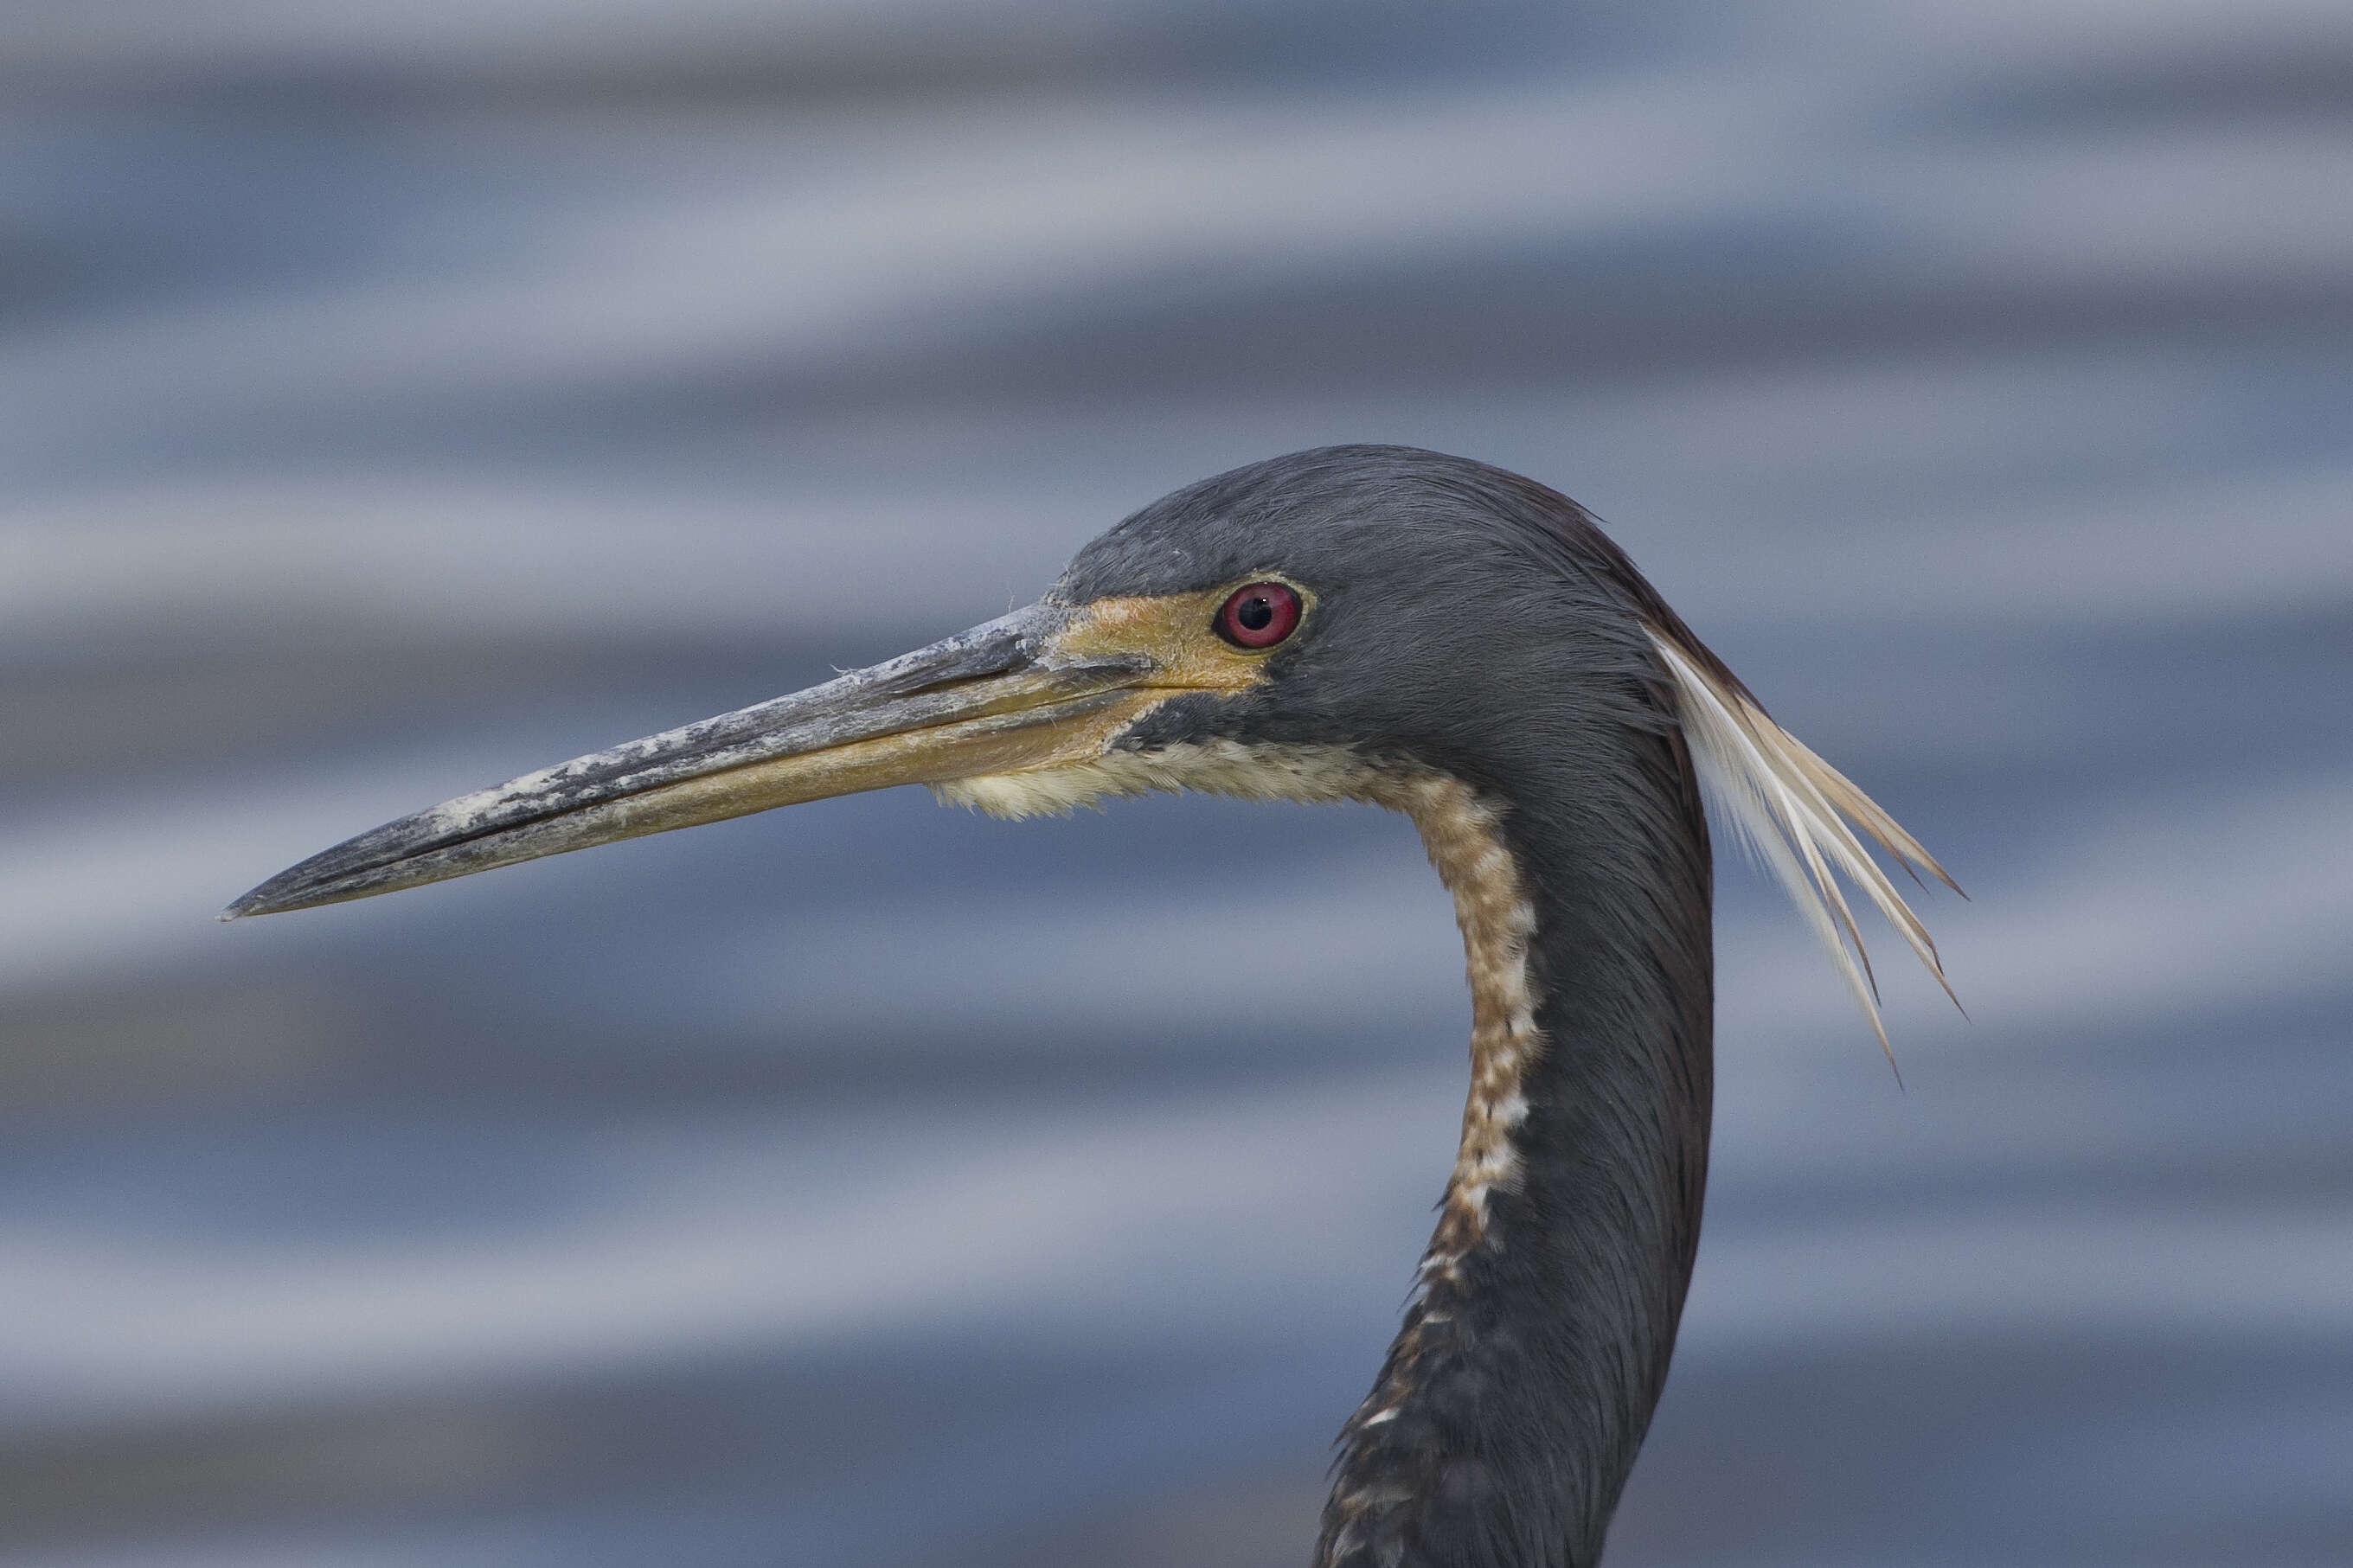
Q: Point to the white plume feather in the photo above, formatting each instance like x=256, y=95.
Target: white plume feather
x=1798, y=816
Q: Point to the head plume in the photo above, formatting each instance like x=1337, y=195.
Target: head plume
x=1798, y=816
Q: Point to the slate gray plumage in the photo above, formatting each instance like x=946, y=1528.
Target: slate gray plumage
x=1488, y=630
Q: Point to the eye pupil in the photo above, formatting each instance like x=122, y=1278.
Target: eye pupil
x=1258, y=615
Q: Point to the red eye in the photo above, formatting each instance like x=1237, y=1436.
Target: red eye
x=1258, y=615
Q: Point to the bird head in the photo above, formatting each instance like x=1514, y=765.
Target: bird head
x=1301, y=628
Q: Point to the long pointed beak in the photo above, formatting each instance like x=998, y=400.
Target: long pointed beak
x=1018, y=693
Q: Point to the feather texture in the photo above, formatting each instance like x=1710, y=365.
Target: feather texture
x=1796, y=815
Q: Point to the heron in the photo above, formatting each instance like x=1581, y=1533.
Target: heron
x=1439, y=637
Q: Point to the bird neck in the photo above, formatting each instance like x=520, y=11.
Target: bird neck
x=1537, y=1336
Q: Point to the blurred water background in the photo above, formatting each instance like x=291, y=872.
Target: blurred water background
x=400, y=397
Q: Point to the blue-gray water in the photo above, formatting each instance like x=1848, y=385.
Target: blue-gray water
x=396, y=398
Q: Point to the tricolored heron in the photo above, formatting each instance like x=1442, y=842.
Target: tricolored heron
x=1440, y=637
